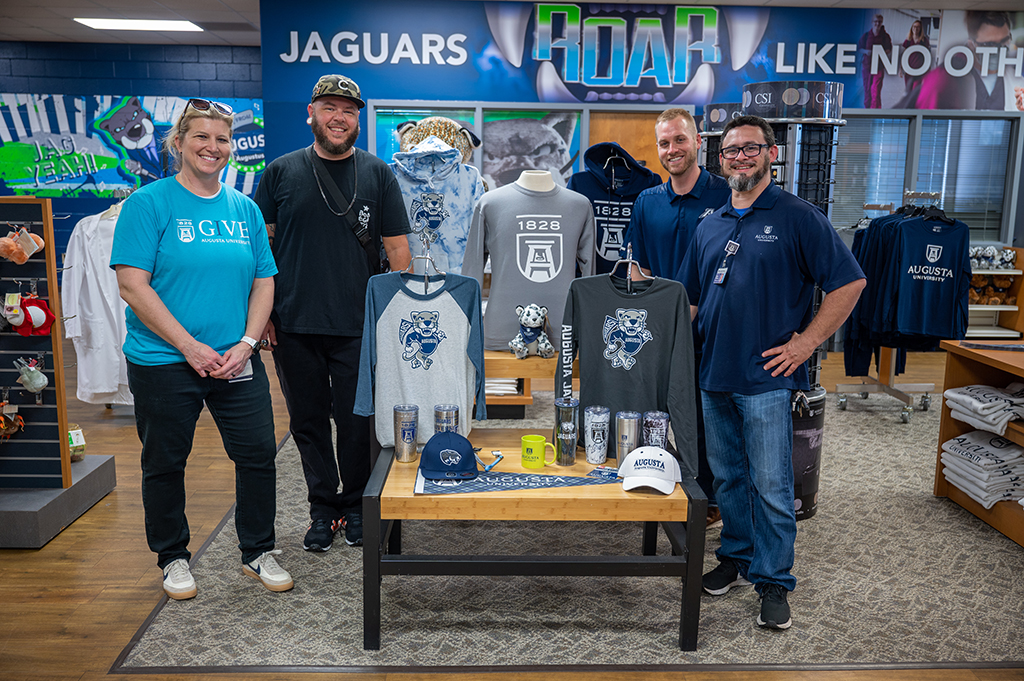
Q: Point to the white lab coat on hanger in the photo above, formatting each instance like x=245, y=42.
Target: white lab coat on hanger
x=97, y=323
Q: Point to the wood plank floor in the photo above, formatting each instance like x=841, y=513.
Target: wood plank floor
x=68, y=609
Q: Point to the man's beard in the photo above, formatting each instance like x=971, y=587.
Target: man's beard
x=744, y=183
x=322, y=141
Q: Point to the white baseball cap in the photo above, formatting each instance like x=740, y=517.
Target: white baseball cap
x=650, y=467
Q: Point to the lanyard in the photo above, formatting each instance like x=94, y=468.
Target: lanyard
x=731, y=248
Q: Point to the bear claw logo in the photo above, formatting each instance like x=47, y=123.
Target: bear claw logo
x=624, y=335
x=420, y=336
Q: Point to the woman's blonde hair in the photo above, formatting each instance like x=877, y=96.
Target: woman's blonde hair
x=910, y=33
x=184, y=122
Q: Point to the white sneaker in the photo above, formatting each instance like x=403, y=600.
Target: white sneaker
x=178, y=581
x=266, y=569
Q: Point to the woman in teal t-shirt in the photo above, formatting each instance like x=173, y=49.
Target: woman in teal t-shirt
x=194, y=265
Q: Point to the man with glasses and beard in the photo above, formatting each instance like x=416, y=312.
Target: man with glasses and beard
x=662, y=226
x=750, y=275
x=331, y=210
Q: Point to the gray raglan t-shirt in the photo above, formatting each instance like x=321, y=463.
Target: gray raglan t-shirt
x=535, y=240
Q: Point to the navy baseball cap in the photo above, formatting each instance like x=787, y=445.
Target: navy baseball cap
x=448, y=456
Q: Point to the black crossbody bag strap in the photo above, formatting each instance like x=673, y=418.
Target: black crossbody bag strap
x=360, y=230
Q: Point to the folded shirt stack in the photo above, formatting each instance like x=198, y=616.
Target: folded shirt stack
x=986, y=467
x=985, y=407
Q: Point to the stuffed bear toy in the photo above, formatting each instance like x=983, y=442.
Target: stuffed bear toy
x=12, y=250
x=411, y=133
x=531, y=339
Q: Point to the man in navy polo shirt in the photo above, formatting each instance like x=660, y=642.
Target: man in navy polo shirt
x=662, y=226
x=750, y=275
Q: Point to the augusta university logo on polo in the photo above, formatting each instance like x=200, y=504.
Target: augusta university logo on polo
x=767, y=236
x=420, y=336
x=624, y=335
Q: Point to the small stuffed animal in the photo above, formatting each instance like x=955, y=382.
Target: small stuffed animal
x=531, y=339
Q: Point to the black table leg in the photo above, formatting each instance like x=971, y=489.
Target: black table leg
x=373, y=548
x=650, y=539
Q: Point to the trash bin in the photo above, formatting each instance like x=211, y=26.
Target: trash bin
x=808, y=426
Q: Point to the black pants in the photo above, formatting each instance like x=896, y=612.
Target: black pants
x=318, y=377
x=168, y=401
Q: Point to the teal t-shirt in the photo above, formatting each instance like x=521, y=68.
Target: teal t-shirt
x=203, y=255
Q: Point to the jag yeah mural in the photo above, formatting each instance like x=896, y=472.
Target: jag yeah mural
x=64, y=146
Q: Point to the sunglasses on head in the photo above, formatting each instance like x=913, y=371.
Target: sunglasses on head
x=205, y=104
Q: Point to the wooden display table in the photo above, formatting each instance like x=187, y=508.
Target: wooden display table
x=389, y=499
x=997, y=368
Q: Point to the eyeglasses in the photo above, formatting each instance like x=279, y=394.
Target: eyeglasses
x=205, y=104
x=749, y=150
x=995, y=43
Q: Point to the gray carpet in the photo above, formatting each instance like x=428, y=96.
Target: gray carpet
x=888, y=575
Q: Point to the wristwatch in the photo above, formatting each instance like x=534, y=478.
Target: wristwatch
x=253, y=343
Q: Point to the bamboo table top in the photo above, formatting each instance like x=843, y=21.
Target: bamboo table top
x=592, y=502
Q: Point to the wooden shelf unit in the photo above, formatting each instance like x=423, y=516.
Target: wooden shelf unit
x=498, y=364
x=967, y=366
x=999, y=321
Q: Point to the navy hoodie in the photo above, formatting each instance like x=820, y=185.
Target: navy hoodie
x=612, y=181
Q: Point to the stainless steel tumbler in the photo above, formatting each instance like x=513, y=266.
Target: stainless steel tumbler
x=406, y=417
x=446, y=418
x=566, y=435
x=627, y=433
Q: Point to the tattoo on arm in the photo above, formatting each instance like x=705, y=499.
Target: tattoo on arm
x=271, y=228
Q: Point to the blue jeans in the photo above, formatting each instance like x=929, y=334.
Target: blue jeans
x=750, y=449
x=168, y=401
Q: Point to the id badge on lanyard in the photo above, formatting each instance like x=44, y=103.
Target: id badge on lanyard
x=723, y=270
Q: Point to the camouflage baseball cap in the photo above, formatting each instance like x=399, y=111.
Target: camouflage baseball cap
x=337, y=86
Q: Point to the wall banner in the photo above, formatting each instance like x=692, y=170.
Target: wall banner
x=653, y=54
x=64, y=146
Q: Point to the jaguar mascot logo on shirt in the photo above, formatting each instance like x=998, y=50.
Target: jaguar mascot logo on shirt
x=624, y=335
x=420, y=337
x=428, y=213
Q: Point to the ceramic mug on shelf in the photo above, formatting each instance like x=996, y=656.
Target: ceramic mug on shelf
x=534, y=448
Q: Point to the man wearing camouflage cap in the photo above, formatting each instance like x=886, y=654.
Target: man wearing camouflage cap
x=331, y=211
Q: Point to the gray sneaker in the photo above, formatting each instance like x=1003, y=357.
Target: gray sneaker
x=722, y=578
x=178, y=581
x=266, y=569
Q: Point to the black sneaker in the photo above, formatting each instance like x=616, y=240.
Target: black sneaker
x=353, y=524
x=722, y=578
x=774, y=608
x=320, y=535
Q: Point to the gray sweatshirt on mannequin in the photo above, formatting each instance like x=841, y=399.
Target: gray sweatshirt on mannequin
x=535, y=240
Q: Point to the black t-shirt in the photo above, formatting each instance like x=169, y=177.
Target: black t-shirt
x=322, y=269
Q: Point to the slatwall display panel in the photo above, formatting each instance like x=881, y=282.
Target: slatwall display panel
x=870, y=167
x=965, y=161
x=37, y=456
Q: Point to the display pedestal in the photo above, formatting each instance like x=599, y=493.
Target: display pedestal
x=31, y=517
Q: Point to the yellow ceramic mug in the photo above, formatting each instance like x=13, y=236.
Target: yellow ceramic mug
x=533, y=451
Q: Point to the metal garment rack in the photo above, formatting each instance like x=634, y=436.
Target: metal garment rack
x=887, y=356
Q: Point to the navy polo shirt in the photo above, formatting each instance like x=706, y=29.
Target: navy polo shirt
x=663, y=222
x=786, y=245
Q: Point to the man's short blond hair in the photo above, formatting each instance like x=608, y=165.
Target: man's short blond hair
x=672, y=114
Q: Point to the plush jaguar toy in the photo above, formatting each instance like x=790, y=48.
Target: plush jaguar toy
x=531, y=339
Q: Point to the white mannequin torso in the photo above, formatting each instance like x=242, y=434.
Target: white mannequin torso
x=536, y=180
